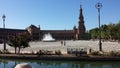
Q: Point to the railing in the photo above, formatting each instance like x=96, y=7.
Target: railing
x=77, y=51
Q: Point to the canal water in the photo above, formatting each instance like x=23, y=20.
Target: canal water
x=61, y=64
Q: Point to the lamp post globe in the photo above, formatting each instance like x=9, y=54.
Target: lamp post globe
x=3, y=16
x=98, y=5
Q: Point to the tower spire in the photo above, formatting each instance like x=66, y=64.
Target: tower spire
x=81, y=18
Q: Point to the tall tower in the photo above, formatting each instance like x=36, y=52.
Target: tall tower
x=81, y=26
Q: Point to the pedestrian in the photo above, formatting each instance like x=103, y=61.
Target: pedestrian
x=64, y=43
x=61, y=42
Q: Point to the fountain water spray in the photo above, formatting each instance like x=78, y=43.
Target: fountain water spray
x=48, y=37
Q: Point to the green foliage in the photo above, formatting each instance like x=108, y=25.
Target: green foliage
x=94, y=33
x=23, y=41
x=19, y=41
x=86, y=36
x=108, y=32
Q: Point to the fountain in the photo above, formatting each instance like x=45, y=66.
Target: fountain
x=48, y=38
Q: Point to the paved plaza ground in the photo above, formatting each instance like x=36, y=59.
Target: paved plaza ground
x=81, y=44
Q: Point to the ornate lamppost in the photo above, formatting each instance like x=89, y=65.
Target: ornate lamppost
x=99, y=6
x=3, y=17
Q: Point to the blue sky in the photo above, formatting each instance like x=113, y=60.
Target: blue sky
x=57, y=14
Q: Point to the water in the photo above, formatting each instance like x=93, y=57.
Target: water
x=60, y=64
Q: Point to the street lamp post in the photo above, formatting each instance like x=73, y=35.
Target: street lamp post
x=99, y=6
x=3, y=17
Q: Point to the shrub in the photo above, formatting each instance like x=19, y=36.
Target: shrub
x=95, y=53
x=5, y=52
x=113, y=53
x=58, y=52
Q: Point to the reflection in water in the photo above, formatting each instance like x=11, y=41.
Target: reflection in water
x=59, y=64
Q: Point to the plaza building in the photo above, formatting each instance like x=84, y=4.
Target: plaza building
x=36, y=33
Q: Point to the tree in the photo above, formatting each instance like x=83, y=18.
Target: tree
x=19, y=41
x=13, y=42
x=108, y=32
x=23, y=41
x=94, y=33
x=112, y=31
x=104, y=32
x=118, y=30
x=86, y=36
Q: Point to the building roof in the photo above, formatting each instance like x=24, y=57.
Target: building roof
x=57, y=31
x=12, y=30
